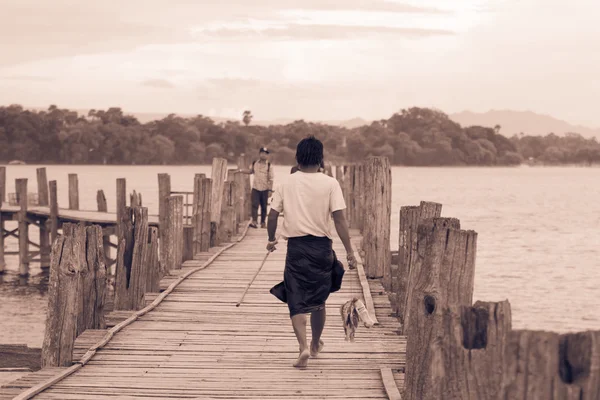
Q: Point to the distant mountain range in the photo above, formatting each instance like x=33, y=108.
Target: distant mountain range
x=515, y=122
x=511, y=122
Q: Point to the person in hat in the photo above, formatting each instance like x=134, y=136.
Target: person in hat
x=262, y=186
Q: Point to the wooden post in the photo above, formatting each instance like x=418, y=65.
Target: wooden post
x=363, y=190
x=135, y=199
x=443, y=269
x=73, y=192
x=103, y=207
x=131, y=276
x=201, y=218
x=53, y=210
x=240, y=196
x=339, y=176
x=349, y=178
x=2, y=200
x=378, y=211
x=188, y=243
x=230, y=174
x=43, y=200
x=2, y=185
x=121, y=202
x=174, y=256
x=45, y=247
x=42, y=185
x=233, y=191
x=410, y=218
x=219, y=172
x=21, y=189
x=227, y=223
x=94, y=276
x=244, y=163
x=467, y=358
x=153, y=265
x=546, y=365
x=2, y=259
x=61, y=319
x=164, y=191
x=101, y=201
x=76, y=292
x=327, y=170
x=196, y=193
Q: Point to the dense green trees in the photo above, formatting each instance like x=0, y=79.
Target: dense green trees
x=415, y=136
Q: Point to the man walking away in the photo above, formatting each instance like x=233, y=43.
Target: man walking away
x=261, y=186
x=309, y=199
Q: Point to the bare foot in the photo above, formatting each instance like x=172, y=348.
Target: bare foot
x=302, y=361
x=313, y=351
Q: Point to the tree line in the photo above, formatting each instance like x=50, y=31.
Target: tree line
x=411, y=137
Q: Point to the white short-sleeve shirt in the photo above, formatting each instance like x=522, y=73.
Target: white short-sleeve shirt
x=307, y=201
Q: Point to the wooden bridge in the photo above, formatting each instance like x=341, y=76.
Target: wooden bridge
x=197, y=344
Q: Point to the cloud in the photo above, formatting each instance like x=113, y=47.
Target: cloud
x=317, y=32
x=365, y=5
x=158, y=83
x=27, y=78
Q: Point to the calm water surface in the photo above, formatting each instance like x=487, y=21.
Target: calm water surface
x=538, y=239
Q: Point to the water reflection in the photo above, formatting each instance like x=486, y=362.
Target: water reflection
x=12, y=284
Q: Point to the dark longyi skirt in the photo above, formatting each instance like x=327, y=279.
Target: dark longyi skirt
x=307, y=276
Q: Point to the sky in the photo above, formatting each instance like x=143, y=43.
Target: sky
x=311, y=59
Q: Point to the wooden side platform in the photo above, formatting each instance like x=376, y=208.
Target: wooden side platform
x=75, y=216
x=198, y=344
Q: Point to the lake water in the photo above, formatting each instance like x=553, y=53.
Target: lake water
x=538, y=239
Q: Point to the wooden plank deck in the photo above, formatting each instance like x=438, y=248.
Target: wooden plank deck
x=66, y=215
x=198, y=344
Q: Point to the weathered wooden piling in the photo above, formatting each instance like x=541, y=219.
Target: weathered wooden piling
x=360, y=184
x=230, y=174
x=42, y=187
x=240, y=196
x=52, y=186
x=2, y=200
x=21, y=191
x=227, y=224
x=201, y=214
x=44, y=224
x=377, y=210
x=244, y=163
x=135, y=199
x=410, y=218
x=76, y=292
x=219, y=173
x=103, y=207
x=131, y=276
x=547, y=365
x=153, y=273
x=164, y=191
x=467, y=357
x=174, y=233
x=121, y=202
x=73, y=192
x=443, y=268
x=101, y=201
x=2, y=184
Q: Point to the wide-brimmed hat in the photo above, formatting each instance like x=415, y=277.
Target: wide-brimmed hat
x=264, y=150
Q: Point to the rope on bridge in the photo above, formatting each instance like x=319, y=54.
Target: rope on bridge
x=37, y=389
